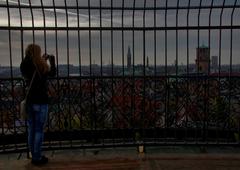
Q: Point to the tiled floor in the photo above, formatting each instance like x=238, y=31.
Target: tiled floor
x=126, y=159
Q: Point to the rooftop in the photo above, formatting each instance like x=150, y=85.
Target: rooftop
x=156, y=158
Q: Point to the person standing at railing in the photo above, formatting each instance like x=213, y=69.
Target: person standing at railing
x=36, y=68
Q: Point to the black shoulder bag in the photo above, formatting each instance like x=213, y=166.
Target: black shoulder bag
x=23, y=104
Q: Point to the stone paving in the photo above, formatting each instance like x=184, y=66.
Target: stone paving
x=171, y=158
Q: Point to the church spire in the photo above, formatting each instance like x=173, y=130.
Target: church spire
x=147, y=62
x=129, y=58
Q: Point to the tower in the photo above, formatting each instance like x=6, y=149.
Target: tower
x=202, y=59
x=215, y=63
x=129, y=58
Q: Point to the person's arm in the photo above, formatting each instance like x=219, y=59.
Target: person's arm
x=53, y=69
x=26, y=68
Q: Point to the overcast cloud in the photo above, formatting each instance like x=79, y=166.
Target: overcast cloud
x=117, y=35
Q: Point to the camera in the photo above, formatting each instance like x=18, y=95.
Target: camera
x=48, y=57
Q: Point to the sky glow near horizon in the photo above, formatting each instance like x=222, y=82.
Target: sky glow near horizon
x=173, y=52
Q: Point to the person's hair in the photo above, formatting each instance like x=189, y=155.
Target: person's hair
x=34, y=52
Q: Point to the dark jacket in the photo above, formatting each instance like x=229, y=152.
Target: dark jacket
x=38, y=93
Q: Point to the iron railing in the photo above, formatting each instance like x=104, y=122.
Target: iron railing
x=161, y=93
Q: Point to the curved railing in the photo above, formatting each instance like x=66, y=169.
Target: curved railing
x=128, y=71
x=112, y=111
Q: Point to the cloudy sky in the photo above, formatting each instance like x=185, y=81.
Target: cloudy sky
x=83, y=16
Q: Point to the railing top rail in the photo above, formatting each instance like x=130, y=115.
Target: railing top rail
x=120, y=7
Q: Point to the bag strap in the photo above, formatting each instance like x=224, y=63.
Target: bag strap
x=30, y=86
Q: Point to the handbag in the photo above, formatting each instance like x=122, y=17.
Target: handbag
x=23, y=103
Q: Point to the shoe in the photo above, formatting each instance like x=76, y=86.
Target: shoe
x=42, y=161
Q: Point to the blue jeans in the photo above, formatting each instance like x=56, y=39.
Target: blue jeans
x=37, y=116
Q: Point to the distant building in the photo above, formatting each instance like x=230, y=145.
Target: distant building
x=214, y=63
x=202, y=59
x=129, y=58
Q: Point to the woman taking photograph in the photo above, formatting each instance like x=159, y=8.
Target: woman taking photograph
x=35, y=68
